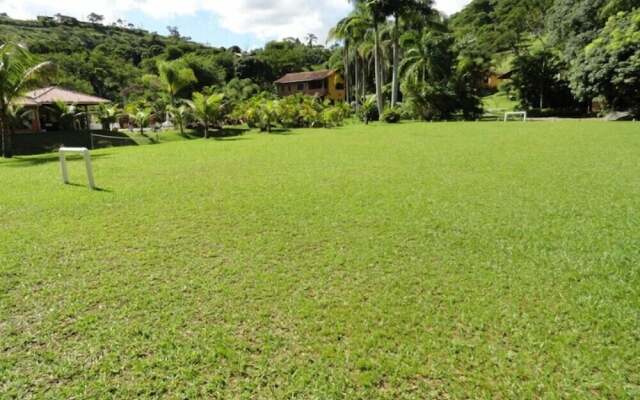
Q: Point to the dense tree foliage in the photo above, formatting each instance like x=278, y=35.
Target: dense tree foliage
x=609, y=66
x=564, y=53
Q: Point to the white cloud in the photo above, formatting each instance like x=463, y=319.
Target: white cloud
x=266, y=19
x=451, y=6
x=280, y=18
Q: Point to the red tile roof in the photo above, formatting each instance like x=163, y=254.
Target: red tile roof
x=51, y=94
x=306, y=76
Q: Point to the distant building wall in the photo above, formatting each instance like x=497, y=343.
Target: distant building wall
x=336, y=87
x=331, y=88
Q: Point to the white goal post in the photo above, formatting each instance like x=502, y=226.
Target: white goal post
x=87, y=162
x=522, y=114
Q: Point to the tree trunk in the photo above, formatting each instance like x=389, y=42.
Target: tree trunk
x=363, y=82
x=395, y=85
x=378, y=71
x=542, y=86
x=357, y=84
x=7, y=144
x=181, y=126
x=206, y=130
x=347, y=86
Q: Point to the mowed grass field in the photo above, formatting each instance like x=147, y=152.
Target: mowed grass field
x=417, y=261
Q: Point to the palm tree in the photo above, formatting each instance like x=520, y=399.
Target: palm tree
x=351, y=30
x=400, y=9
x=365, y=54
x=342, y=32
x=107, y=114
x=141, y=117
x=67, y=114
x=424, y=57
x=355, y=30
x=18, y=115
x=311, y=39
x=180, y=115
x=376, y=10
x=175, y=76
x=368, y=106
x=19, y=73
x=268, y=114
x=208, y=110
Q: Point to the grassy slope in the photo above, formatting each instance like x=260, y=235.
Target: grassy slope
x=415, y=261
x=498, y=103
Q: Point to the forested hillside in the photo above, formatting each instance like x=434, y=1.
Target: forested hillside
x=554, y=57
x=112, y=61
x=560, y=53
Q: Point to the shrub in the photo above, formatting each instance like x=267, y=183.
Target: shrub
x=297, y=111
x=369, y=109
x=391, y=115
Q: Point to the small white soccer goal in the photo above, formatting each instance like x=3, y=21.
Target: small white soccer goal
x=87, y=162
x=522, y=114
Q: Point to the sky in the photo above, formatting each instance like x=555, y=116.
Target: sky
x=246, y=23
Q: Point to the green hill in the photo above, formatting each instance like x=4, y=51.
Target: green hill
x=111, y=61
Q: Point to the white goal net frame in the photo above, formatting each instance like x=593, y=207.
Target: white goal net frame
x=522, y=114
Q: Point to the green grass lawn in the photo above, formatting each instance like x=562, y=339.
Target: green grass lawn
x=433, y=260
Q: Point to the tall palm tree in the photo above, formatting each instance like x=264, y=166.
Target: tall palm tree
x=341, y=32
x=208, y=110
x=311, y=38
x=376, y=8
x=400, y=9
x=365, y=53
x=351, y=30
x=376, y=11
x=175, y=76
x=19, y=73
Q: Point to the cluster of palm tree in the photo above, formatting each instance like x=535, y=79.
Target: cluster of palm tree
x=207, y=109
x=264, y=111
x=372, y=37
x=172, y=77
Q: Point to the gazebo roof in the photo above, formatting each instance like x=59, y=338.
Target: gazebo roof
x=52, y=94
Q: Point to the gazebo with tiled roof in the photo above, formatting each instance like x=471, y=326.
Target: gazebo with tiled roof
x=53, y=94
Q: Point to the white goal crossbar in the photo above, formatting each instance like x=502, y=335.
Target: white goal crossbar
x=523, y=114
x=87, y=162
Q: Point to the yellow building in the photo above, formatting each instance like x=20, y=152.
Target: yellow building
x=326, y=84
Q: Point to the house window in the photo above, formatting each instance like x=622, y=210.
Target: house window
x=315, y=85
x=300, y=86
x=339, y=86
